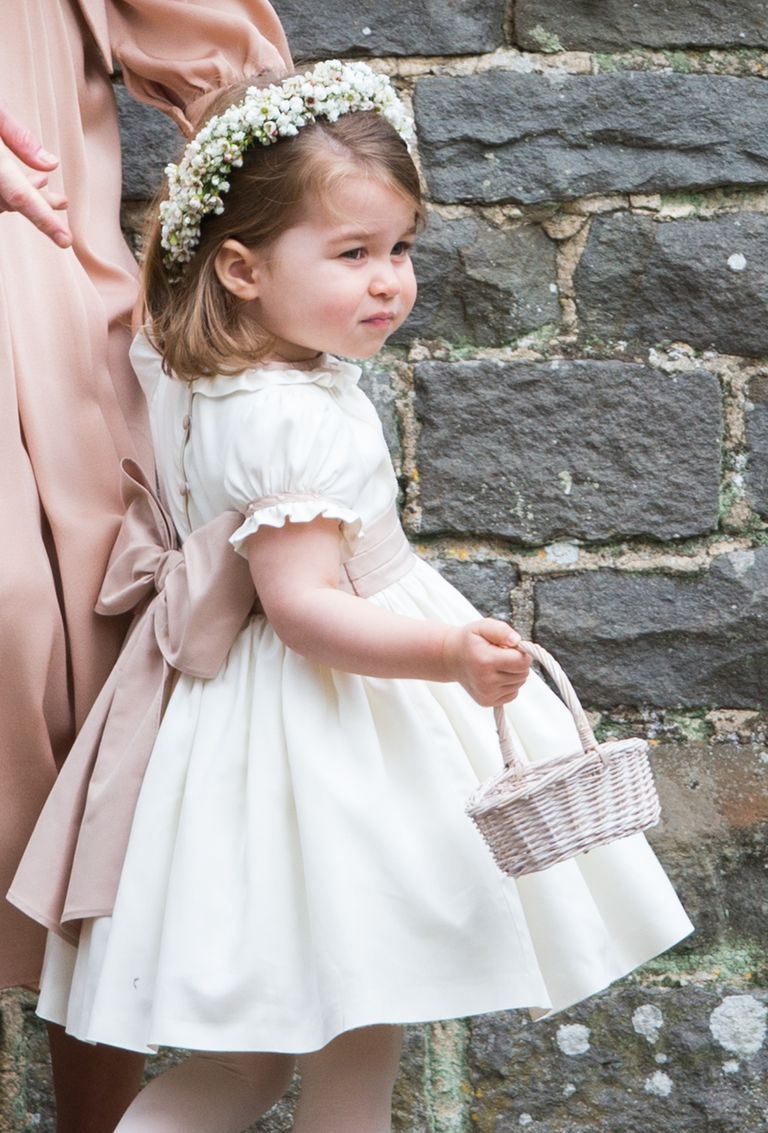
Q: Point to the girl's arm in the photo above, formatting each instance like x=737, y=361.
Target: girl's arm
x=296, y=571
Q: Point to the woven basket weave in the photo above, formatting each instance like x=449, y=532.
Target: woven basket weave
x=535, y=815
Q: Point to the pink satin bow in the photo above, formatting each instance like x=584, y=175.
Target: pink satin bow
x=190, y=605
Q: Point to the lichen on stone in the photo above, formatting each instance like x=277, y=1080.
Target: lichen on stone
x=647, y=1021
x=659, y=1084
x=573, y=1038
x=738, y=1024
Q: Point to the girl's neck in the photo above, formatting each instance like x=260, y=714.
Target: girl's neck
x=276, y=362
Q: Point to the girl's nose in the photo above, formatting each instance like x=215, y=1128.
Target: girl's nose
x=385, y=280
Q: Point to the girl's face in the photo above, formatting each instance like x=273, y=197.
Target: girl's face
x=341, y=280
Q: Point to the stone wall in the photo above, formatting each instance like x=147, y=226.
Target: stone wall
x=578, y=410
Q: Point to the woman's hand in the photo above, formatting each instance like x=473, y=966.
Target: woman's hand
x=483, y=658
x=26, y=192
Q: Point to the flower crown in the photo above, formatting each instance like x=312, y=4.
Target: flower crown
x=266, y=114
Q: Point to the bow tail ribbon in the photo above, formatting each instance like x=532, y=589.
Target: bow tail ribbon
x=72, y=862
x=71, y=867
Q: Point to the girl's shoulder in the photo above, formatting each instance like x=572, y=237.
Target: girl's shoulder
x=308, y=433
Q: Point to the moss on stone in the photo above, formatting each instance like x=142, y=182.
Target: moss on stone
x=736, y=963
x=445, y=1076
x=691, y=726
x=607, y=64
x=679, y=62
x=539, y=338
x=462, y=350
x=697, y=201
x=728, y=497
x=546, y=41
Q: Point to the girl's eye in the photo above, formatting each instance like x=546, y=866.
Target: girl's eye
x=353, y=254
x=401, y=248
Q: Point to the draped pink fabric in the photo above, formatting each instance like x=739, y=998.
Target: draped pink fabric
x=190, y=604
x=70, y=406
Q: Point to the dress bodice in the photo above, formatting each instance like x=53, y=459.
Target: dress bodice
x=274, y=442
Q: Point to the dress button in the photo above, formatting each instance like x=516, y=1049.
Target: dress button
x=186, y=422
x=184, y=489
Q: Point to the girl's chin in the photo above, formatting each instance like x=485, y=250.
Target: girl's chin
x=361, y=355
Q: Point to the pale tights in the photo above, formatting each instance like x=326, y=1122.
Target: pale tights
x=345, y=1088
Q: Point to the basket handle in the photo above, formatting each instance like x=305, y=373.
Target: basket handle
x=567, y=694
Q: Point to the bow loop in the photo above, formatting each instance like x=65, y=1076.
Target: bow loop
x=145, y=551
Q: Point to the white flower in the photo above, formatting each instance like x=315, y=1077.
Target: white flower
x=195, y=185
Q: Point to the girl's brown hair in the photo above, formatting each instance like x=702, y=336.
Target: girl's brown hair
x=196, y=324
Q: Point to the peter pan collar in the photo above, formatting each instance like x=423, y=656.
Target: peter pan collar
x=325, y=371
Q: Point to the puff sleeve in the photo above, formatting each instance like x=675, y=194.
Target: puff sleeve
x=174, y=54
x=297, y=457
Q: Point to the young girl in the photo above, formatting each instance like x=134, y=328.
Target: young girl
x=301, y=879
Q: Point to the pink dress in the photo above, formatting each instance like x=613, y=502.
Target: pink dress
x=71, y=406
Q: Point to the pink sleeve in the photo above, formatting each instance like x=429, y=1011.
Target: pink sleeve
x=174, y=54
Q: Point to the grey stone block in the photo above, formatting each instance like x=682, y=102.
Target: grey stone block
x=485, y=584
x=704, y=282
x=713, y=837
x=636, y=639
x=498, y=136
x=424, y=27
x=537, y=452
x=583, y=25
x=149, y=141
x=482, y=284
x=376, y=383
x=635, y=1060
x=757, y=437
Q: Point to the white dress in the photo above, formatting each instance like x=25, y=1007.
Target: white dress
x=300, y=861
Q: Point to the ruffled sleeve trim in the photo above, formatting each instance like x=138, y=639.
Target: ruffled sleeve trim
x=296, y=507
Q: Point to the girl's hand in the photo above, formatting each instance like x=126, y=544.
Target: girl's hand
x=25, y=192
x=295, y=569
x=482, y=657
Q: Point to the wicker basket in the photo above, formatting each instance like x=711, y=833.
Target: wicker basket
x=535, y=815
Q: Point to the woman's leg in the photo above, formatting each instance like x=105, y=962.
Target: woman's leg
x=347, y=1086
x=210, y=1093
x=94, y=1085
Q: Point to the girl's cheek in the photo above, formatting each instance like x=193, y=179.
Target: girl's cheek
x=334, y=310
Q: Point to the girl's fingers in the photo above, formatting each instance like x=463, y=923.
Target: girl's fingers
x=497, y=633
x=513, y=663
x=498, y=691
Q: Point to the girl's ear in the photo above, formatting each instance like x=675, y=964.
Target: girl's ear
x=236, y=269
